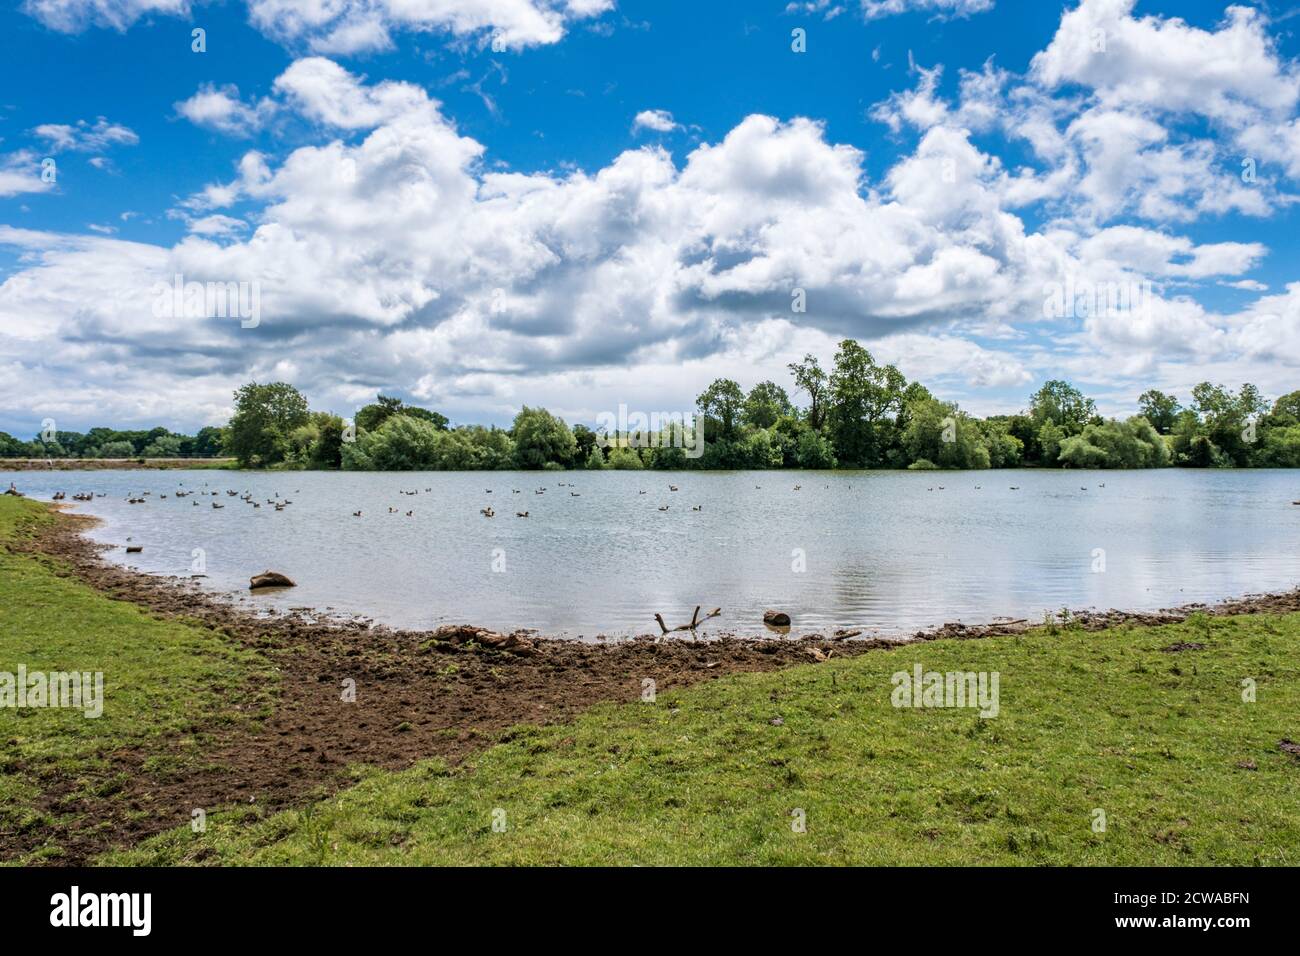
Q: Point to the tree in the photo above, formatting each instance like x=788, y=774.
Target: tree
x=720, y=404
x=265, y=415
x=863, y=397
x=542, y=439
x=1061, y=404
x=207, y=443
x=586, y=440
x=765, y=404
x=117, y=449
x=809, y=377
x=374, y=415
x=1159, y=409
x=814, y=450
x=401, y=443
x=165, y=446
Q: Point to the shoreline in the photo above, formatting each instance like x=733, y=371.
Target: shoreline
x=115, y=464
x=447, y=693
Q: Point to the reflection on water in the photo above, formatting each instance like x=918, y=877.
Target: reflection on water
x=887, y=551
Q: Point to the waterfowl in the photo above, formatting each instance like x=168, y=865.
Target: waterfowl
x=521, y=514
x=574, y=494
x=672, y=487
x=356, y=514
x=217, y=505
x=410, y=514
x=663, y=507
x=698, y=508
x=487, y=512
x=798, y=487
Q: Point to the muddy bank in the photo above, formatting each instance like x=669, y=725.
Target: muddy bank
x=418, y=694
x=110, y=464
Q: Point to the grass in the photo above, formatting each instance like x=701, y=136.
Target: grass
x=1184, y=769
x=161, y=678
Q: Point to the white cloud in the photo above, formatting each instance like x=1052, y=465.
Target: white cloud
x=20, y=172
x=85, y=137
x=348, y=26
x=221, y=109
x=661, y=121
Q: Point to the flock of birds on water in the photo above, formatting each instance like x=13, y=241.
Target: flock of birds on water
x=280, y=503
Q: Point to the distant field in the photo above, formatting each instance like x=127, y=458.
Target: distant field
x=104, y=464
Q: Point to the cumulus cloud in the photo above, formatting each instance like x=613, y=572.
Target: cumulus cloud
x=348, y=26
x=220, y=108
x=392, y=250
x=660, y=121
x=84, y=136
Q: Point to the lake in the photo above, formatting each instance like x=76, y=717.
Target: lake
x=885, y=551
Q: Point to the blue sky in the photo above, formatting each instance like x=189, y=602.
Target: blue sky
x=925, y=171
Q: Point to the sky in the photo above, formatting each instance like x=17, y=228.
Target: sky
x=582, y=204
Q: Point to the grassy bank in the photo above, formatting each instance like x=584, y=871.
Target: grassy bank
x=1162, y=743
x=160, y=679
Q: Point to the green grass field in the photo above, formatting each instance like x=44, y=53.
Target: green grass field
x=1108, y=721
x=1183, y=768
x=160, y=680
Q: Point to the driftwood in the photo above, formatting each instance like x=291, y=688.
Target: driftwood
x=695, y=621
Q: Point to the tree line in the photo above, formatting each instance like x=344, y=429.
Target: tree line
x=857, y=414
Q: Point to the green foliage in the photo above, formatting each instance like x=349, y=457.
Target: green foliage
x=372, y=417
x=541, y=439
x=765, y=405
x=1159, y=409
x=265, y=416
x=720, y=405
x=1061, y=404
x=1114, y=444
x=864, y=397
x=625, y=459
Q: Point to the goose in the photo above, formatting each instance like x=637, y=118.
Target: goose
x=798, y=487
x=574, y=494
x=698, y=508
x=640, y=492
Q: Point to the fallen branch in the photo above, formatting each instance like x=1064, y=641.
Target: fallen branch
x=695, y=621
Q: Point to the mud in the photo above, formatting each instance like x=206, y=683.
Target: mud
x=419, y=694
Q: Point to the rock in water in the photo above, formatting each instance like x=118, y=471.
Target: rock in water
x=776, y=618
x=269, y=579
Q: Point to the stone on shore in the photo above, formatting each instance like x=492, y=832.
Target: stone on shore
x=269, y=579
